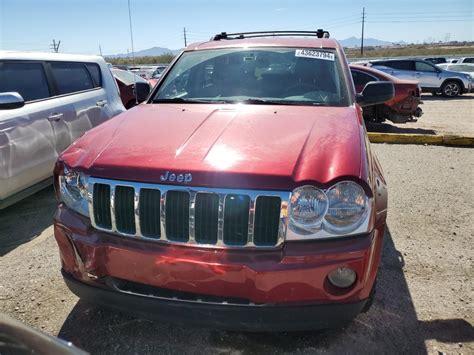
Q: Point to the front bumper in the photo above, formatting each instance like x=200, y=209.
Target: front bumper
x=291, y=278
x=224, y=316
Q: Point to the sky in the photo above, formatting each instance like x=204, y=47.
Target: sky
x=84, y=25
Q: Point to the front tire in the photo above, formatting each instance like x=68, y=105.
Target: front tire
x=451, y=89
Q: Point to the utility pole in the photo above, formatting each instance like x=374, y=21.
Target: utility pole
x=362, y=37
x=100, y=50
x=55, y=46
x=133, y=53
x=184, y=35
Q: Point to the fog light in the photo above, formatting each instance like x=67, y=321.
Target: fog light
x=342, y=277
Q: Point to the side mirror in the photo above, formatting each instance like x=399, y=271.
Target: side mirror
x=376, y=92
x=11, y=100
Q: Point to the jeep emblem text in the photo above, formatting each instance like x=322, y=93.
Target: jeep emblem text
x=172, y=177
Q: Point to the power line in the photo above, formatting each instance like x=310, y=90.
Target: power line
x=418, y=21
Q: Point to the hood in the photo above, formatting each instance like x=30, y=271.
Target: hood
x=245, y=146
x=456, y=74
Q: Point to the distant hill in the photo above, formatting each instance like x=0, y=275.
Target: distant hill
x=150, y=52
x=347, y=43
x=355, y=42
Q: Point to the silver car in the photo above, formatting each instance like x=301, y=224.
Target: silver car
x=47, y=101
x=467, y=68
x=431, y=78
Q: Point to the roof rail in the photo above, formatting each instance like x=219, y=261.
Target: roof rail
x=240, y=35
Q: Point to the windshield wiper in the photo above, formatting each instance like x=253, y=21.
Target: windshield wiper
x=256, y=101
x=176, y=100
x=281, y=102
x=188, y=101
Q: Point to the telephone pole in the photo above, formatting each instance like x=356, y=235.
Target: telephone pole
x=184, y=35
x=362, y=37
x=100, y=50
x=55, y=46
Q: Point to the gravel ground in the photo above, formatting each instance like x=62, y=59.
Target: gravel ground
x=424, y=296
x=440, y=116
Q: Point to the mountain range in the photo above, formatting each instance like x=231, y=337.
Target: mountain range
x=150, y=52
x=348, y=42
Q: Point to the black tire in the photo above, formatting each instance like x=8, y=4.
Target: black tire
x=451, y=88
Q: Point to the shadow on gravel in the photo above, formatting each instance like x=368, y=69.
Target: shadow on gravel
x=389, y=128
x=26, y=219
x=391, y=325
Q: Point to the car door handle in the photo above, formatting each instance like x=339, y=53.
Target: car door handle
x=101, y=103
x=55, y=117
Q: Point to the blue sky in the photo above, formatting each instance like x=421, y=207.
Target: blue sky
x=82, y=25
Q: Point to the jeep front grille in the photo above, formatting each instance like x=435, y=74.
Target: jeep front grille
x=189, y=215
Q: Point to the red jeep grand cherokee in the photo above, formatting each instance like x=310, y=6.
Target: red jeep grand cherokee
x=243, y=194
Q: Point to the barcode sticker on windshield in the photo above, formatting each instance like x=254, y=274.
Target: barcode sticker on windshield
x=315, y=54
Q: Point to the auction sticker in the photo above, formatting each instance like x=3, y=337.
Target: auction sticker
x=315, y=54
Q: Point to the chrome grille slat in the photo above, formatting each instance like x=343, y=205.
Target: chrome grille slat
x=112, y=208
x=186, y=224
x=136, y=209
x=192, y=213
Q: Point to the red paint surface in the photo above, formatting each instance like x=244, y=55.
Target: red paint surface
x=246, y=146
x=295, y=273
x=231, y=146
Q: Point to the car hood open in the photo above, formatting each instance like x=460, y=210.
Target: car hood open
x=244, y=146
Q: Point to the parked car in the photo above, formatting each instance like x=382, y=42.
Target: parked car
x=47, y=101
x=121, y=67
x=157, y=74
x=404, y=107
x=465, y=60
x=431, y=78
x=236, y=197
x=436, y=60
x=133, y=88
x=466, y=68
x=145, y=71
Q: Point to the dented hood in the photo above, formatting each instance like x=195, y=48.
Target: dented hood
x=246, y=146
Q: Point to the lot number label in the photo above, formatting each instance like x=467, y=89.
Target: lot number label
x=315, y=54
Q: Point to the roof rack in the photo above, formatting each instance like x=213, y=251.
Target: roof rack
x=240, y=35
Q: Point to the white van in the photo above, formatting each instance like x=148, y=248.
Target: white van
x=47, y=100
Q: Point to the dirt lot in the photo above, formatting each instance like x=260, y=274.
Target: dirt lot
x=423, y=301
x=440, y=116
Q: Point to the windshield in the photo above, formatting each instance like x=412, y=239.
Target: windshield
x=257, y=75
x=126, y=77
x=462, y=68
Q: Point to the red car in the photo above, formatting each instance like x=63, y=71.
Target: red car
x=244, y=194
x=404, y=105
x=130, y=84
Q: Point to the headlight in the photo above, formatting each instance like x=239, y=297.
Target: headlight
x=347, y=207
x=73, y=191
x=308, y=206
x=341, y=210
